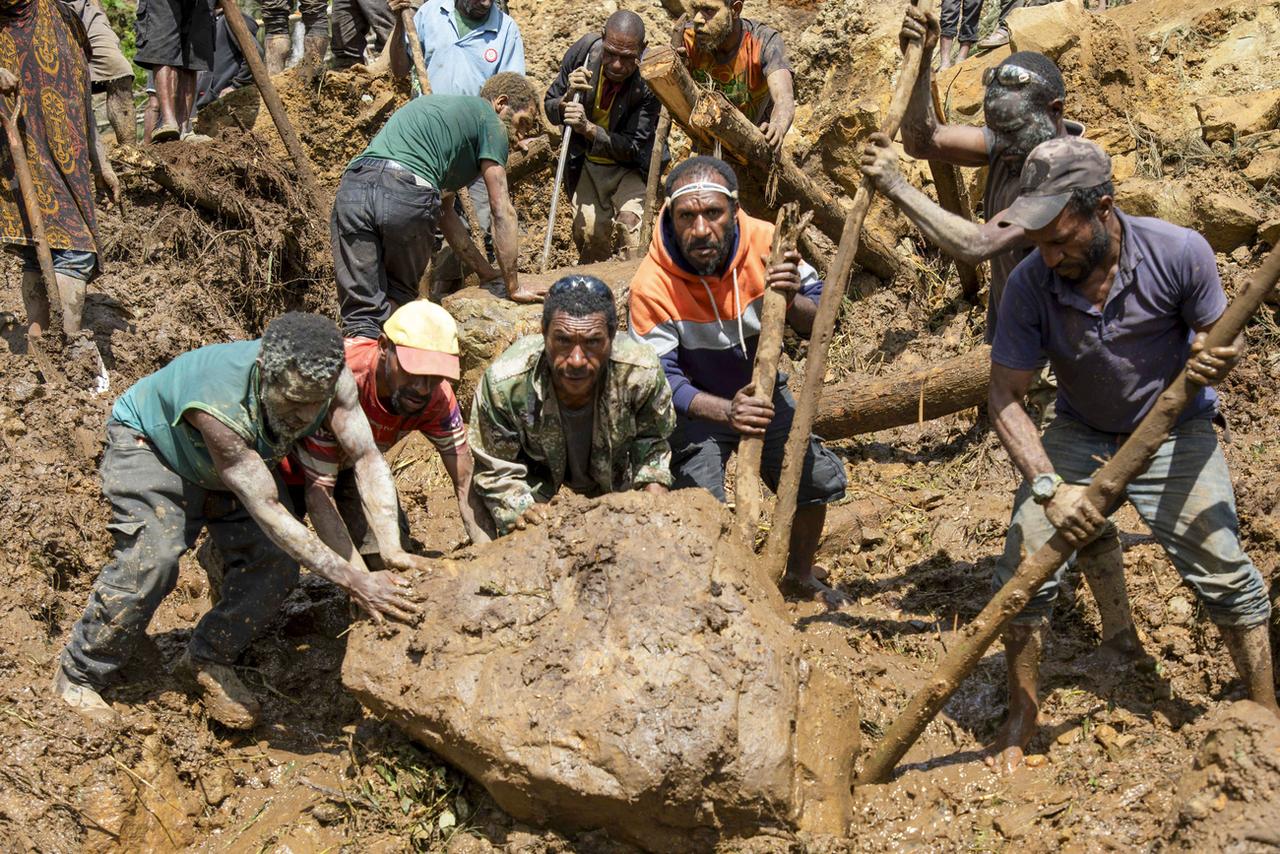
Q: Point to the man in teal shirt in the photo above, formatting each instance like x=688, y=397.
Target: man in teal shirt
x=393, y=194
x=192, y=447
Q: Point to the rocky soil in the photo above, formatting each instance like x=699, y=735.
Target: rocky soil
x=1183, y=94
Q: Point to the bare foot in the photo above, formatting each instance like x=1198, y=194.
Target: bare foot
x=1122, y=648
x=814, y=587
x=524, y=296
x=1006, y=753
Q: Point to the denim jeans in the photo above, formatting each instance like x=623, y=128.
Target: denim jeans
x=1184, y=496
x=156, y=516
x=382, y=225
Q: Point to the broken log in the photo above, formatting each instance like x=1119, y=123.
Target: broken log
x=190, y=188
x=708, y=116
x=764, y=375
x=824, y=324
x=954, y=198
x=1104, y=490
x=859, y=405
x=654, y=179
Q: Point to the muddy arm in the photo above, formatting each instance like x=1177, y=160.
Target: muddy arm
x=1013, y=425
x=460, y=465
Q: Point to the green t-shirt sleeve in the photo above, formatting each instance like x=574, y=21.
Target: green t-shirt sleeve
x=494, y=144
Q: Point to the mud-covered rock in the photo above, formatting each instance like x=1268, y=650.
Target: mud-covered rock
x=1229, y=800
x=1167, y=200
x=1229, y=117
x=1052, y=30
x=625, y=666
x=1226, y=221
x=1264, y=168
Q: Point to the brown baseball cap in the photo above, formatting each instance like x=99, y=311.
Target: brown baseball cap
x=1054, y=169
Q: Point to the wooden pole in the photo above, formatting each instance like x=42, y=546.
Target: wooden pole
x=824, y=324
x=249, y=49
x=1105, y=489
x=953, y=197
x=655, y=178
x=35, y=222
x=773, y=319
x=415, y=50
x=857, y=405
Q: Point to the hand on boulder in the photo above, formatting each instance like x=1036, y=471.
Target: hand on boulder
x=382, y=593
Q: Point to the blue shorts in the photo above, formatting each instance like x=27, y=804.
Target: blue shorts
x=75, y=263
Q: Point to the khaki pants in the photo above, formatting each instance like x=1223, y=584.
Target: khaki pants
x=604, y=191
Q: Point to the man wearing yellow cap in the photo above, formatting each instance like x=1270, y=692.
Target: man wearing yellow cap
x=403, y=378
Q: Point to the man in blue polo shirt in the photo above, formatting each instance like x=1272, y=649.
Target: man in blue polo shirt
x=1118, y=305
x=464, y=43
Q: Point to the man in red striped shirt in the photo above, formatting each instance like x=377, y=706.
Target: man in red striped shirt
x=403, y=378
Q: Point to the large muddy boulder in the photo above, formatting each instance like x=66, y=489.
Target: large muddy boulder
x=626, y=666
x=1229, y=800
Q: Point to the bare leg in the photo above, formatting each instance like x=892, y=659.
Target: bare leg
x=167, y=93
x=1102, y=564
x=186, y=99
x=944, y=53
x=120, y=110
x=963, y=53
x=1250, y=649
x=150, y=115
x=35, y=303
x=806, y=531
x=71, y=293
x=1022, y=647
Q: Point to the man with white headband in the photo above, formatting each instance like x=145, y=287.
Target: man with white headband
x=696, y=299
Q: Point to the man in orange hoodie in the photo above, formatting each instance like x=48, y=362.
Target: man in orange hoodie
x=696, y=299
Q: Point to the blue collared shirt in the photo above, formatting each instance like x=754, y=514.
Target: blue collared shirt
x=460, y=65
x=1113, y=362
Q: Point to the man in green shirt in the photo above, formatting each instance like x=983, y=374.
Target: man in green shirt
x=573, y=407
x=192, y=447
x=393, y=194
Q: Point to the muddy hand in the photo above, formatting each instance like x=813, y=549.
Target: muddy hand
x=1073, y=514
x=916, y=25
x=748, y=414
x=879, y=162
x=405, y=562
x=8, y=82
x=382, y=593
x=398, y=6
x=784, y=277
x=535, y=515
x=774, y=132
x=579, y=81
x=1210, y=365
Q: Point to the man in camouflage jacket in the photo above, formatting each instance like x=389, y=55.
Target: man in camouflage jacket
x=573, y=406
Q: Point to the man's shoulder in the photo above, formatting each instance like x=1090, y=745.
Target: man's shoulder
x=517, y=360
x=758, y=30
x=1159, y=234
x=634, y=354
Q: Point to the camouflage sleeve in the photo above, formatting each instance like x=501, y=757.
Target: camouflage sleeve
x=655, y=419
x=499, y=476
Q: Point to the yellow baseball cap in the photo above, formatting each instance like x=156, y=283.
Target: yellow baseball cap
x=426, y=339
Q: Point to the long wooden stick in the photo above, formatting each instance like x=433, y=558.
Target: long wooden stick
x=35, y=221
x=249, y=49
x=824, y=323
x=555, y=188
x=773, y=318
x=1105, y=489
x=415, y=50
x=655, y=178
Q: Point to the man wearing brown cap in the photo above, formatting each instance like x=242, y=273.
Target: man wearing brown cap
x=1117, y=303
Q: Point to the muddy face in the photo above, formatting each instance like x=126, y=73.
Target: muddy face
x=520, y=124
x=620, y=56
x=1017, y=124
x=705, y=228
x=473, y=10
x=1073, y=246
x=291, y=403
x=712, y=22
x=406, y=394
x=577, y=349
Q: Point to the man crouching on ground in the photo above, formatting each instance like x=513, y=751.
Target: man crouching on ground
x=192, y=447
x=696, y=299
x=572, y=406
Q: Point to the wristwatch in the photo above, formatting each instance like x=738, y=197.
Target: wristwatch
x=1043, y=487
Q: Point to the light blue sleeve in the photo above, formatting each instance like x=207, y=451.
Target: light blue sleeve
x=420, y=24
x=512, y=50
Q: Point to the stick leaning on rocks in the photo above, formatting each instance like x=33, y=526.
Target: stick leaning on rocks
x=249, y=49
x=825, y=322
x=1107, y=486
x=773, y=319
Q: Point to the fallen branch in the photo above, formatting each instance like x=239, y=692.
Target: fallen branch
x=859, y=405
x=188, y=187
x=1107, y=486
